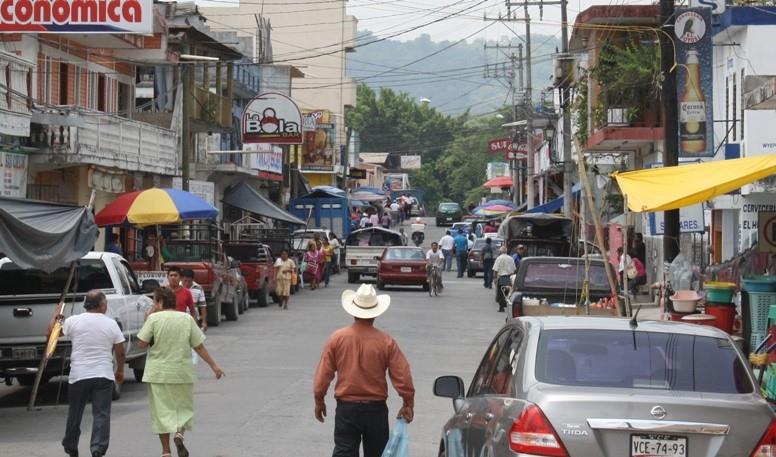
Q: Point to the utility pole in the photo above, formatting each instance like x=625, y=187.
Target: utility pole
x=511, y=76
x=531, y=190
x=564, y=105
x=671, y=123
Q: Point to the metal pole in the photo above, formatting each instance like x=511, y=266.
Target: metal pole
x=564, y=104
x=518, y=168
x=529, y=114
x=671, y=123
x=186, y=142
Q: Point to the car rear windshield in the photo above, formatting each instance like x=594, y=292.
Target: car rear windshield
x=640, y=359
x=246, y=253
x=495, y=243
x=449, y=207
x=374, y=238
x=91, y=274
x=564, y=275
x=405, y=254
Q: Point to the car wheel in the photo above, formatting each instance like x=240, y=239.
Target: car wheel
x=137, y=373
x=263, y=295
x=471, y=273
x=380, y=284
x=28, y=380
x=214, y=312
x=230, y=310
x=246, y=301
x=353, y=278
x=240, y=303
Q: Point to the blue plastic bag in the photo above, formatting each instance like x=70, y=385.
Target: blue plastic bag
x=398, y=442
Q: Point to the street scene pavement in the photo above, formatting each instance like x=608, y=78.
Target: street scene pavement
x=264, y=405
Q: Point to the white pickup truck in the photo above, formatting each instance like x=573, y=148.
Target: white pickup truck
x=28, y=300
x=364, y=247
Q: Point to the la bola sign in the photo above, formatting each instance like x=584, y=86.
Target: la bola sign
x=272, y=118
x=77, y=16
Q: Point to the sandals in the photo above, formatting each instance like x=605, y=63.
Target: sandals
x=178, y=440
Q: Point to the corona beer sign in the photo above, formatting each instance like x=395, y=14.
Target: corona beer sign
x=76, y=16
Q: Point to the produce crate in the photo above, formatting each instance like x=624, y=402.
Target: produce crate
x=759, y=307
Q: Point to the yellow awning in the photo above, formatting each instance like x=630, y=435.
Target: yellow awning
x=662, y=189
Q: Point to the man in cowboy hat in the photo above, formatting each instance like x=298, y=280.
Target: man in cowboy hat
x=360, y=355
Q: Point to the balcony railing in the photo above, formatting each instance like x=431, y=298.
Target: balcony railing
x=108, y=140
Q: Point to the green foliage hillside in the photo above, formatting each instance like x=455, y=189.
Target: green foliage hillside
x=453, y=79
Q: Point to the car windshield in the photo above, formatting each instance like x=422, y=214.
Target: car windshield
x=494, y=242
x=564, y=275
x=640, y=359
x=189, y=251
x=405, y=254
x=449, y=207
x=91, y=274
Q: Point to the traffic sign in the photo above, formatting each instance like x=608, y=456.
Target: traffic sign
x=766, y=226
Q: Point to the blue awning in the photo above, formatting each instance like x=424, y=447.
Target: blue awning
x=555, y=205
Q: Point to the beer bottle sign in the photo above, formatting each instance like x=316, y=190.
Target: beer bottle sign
x=693, y=54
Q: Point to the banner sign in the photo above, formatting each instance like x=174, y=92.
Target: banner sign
x=691, y=220
x=319, y=138
x=77, y=16
x=13, y=172
x=500, y=145
x=410, y=162
x=694, y=82
x=205, y=190
x=272, y=118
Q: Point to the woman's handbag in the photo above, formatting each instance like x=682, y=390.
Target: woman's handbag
x=294, y=279
x=631, y=271
x=303, y=266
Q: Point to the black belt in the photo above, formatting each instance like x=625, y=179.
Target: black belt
x=361, y=402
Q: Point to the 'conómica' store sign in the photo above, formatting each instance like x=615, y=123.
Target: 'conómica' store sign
x=77, y=16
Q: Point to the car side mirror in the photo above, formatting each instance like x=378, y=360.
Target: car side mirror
x=378, y=257
x=449, y=387
x=149, y=285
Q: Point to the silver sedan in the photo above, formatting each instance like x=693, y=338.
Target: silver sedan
x=598, y=386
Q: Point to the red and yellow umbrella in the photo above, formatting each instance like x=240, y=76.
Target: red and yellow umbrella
x=155, y=207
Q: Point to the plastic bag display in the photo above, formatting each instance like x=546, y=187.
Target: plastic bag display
x=398, y=442
x=681, y=273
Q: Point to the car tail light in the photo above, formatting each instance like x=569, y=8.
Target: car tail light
x=767, y=445
x=533, y=434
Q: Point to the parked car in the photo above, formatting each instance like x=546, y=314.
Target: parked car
x=364, y=246
x=257, y=265
x=300, y=238
x=404, y=266
x=28, y=298
x=474, y=263
x=237, y=279
x=448, y=213
x=465, y=227
x=557, y=280
x=595, y=386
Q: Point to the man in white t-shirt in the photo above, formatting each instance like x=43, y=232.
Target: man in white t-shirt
x=96, y=338
x=434, y=256
x=446, y=243
x=335, y=261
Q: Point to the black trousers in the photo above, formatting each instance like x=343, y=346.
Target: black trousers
x=100, y=390
x=357, y=421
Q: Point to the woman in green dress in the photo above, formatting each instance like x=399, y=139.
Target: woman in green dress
x=169, y=370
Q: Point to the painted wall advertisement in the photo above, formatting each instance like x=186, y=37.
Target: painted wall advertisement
x=694, y=81
x=319, y=139
x=13, y=170
x=77, y=16
x=272, y=118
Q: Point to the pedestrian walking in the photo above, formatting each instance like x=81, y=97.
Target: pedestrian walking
x=310, y=272
x=503, y=269
x=335, y=242
x=321, y=261
x=197, y=296
x=386, y=220
x=95, y=339
x=169, y=370
x=461, y=251
x=487, y=263
x=328, y=257
x=518, y=255
x=285, y=268
x=360, y=355
x=446, y=243
x=184, y=302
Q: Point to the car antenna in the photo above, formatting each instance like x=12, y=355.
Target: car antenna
x=634, y=321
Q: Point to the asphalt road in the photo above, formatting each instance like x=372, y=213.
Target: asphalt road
x=264, y=406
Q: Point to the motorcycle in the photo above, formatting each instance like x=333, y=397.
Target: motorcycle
x=417, y=233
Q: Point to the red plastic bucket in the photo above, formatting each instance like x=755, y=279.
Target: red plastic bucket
x=725, y=314
x=700, y=319
x=678, y=316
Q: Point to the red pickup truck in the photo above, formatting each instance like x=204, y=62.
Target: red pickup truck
x=257, y=264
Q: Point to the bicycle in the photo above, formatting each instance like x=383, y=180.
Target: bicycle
x=433, y=281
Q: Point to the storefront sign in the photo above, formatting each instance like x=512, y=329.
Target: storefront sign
x=691, y=220
x=766, y=236
x=77, y=16
x=694, y=82
x=272, y=118
x=500, y=145
x=357, y=173
x=13, y=172
x=14, y=124
x=203, y=189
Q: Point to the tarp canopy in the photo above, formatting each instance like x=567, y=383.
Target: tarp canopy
x=247, y=198
x=556, y=204
x=667, y=188
x=499, y=181
x=44, y=235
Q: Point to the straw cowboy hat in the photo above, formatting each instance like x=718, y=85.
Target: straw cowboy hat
x=364, y=303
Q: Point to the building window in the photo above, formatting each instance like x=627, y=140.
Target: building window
x=735, y=108
x=47, y=77
x=101, y=89
x=727, y=107
x=742, y=104
x=77, y=87
x=64, y=72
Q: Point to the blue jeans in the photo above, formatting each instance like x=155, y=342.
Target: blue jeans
x=448, y=253
x=461, y=256
x=487, y=270
x=100, y=390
